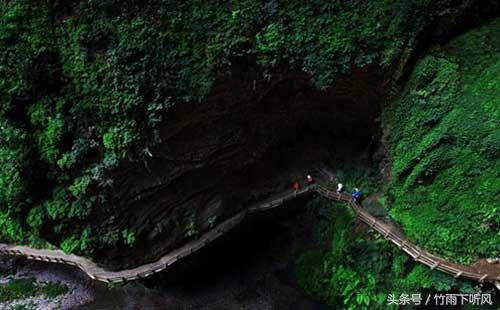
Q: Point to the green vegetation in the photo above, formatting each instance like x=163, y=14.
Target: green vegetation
x=360, y=271
x=128, y=237
x=445, y=131
x=85, y=86
x=17, y=289
x=444, y=187
x=27, y=287
x=22, y=307
x=114, y=286
x=52, y=290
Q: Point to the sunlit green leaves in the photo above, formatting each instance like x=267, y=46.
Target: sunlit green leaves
x=445, y=127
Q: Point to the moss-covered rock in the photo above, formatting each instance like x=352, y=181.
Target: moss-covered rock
x=445, y=129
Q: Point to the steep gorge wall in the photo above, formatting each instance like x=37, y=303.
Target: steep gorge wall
x=129, y=128
x=244, y=144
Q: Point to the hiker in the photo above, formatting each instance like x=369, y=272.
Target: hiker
x=309, y=180
x=340, y=188
x=296, y=186
x=356, y=195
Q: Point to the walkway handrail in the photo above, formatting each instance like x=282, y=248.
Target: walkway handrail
x=418, y=254
x=99, y=273
x=389, y=232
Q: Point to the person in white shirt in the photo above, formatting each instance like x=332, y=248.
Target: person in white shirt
x=340, y=188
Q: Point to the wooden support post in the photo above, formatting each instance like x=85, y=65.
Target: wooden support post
x=458, y=274
x=434, y=266
x=483, y=277
x=417, y=256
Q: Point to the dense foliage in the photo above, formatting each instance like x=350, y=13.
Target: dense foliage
x=444, y=187
x=359, y=272
x=84, y=85
x=27, y=287
x=445, y=138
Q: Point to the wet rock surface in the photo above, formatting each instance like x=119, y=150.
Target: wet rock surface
x=242, y=146
x=79, y=288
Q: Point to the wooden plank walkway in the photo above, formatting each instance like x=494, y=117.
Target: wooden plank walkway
x=390, y=232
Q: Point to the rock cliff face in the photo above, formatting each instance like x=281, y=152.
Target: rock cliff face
x=225, y=98
x=244, y=144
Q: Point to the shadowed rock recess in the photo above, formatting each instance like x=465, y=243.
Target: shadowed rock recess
x=244, y=144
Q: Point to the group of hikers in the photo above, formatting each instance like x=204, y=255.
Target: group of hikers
x=296, y=184
x=356, y=195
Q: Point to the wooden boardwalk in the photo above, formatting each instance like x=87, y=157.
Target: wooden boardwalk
x=390, y=232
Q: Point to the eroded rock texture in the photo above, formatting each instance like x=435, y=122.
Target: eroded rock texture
x=247, y=142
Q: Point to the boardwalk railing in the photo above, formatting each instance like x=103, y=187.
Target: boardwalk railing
x=388, y=231
x=99, y=273
x=391, y=234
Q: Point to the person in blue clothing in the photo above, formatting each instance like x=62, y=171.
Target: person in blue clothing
x=356, y=195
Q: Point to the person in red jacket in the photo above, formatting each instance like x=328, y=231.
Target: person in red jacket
x=296, y=186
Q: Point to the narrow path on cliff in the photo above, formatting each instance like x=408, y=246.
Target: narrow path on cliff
x=480, y=271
